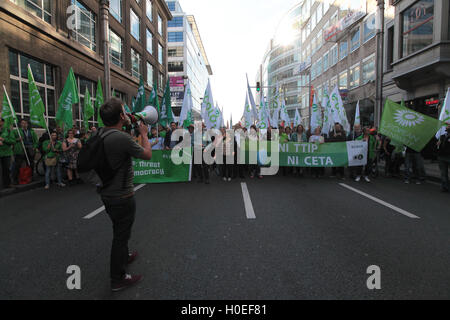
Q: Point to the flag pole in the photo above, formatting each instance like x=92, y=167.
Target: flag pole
x=17, y=127
x=32, y=77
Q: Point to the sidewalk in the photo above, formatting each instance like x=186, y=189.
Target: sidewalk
x=37, y=183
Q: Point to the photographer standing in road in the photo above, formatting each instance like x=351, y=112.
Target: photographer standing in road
x=118, y=194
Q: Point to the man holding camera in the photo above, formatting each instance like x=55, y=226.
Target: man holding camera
x=118, y=195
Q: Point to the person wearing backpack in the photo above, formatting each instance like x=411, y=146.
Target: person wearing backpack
x=116, y=149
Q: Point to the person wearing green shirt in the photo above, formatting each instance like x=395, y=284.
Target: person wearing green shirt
x=30, y=141
x=6, y=142
x=52, y=149
x=371, y=145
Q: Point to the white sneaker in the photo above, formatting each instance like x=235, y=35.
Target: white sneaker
x=229, y=179
x=367, y=179
x=62, y=185
x=358, y=178
x=224, y=179
x=47, y=187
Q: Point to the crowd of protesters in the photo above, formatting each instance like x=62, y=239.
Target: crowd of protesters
x=59, y=152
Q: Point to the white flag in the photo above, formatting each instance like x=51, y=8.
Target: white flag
x=316, y=115
x=445, y=115
x=338, y=109
x=357, y=115
x=263, y=117
x=186, y=109
x=275, y=117
x=297, y=119
x=209, y=113
x=284, y=113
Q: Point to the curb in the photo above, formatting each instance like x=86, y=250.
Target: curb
x=23, y=188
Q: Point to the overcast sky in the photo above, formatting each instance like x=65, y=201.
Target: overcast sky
x=235, y=34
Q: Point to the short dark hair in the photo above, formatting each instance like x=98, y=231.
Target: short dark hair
x=110, y=111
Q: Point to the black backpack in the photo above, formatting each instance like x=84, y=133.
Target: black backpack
x=93, y=157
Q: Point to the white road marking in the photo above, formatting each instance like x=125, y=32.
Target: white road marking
x=247, y=202
x=101, y=209
x=390, y=206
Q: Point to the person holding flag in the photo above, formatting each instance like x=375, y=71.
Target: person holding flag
x=25, y=139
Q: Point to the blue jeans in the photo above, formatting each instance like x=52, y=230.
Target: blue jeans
x=443, y=165
x=414, y=164
x=49, y=171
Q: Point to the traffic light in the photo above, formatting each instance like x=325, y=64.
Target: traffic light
x=258, y=87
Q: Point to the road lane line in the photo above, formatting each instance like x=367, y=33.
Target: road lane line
x=247, y=202
x=390, y=206
x=101, y=209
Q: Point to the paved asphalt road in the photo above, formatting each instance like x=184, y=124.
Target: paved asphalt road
x=311, y=239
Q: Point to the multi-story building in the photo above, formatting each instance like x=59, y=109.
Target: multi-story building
x=417, y=54
x=323, y=44
x=53, y=36
x=187, y=60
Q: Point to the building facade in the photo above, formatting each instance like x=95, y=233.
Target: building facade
x=187, y=59
x=322, y=44
x=53, y=36
x=417, y=54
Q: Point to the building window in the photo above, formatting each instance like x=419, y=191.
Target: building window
x=135, y=25
x=115, y=7
x=354, y=76
x=160, y=54
x=334, y=55
x=171, y=5
x=40, y=8
x=175, y=22
x=355, y=43
x=149, y=41
x=417, y=22
x=160, y=25
x=368, y=69
x=116, y=49
x=343, y=49
x=175, y=37
x=85, y=33
x=176, y=66
x=149, y=74
x=369, y=28
x=135, y=63
x=390, y=48
x=149, y=10
x=44, y=78
x=343, y=80
x=176, y=52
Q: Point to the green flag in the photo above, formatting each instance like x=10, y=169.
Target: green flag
x=140, y=98
x=69, y=96
x=127, y=109
x=406, y=126
x=88, y=109
x=113, y=94
x=99, y=102
x=8, y=113
x=37, y=108
x=166, y=109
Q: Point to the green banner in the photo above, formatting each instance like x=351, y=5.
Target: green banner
x=160, y=169
x=336, y=154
